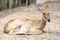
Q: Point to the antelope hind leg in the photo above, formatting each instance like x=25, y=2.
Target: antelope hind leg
x=11, y=32
x=15, y=33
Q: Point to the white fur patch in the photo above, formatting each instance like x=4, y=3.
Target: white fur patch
x=22, y=29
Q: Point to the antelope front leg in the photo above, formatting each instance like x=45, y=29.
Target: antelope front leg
x=35, y=31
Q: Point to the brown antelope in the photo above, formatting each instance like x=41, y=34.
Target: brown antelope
x=28, y=26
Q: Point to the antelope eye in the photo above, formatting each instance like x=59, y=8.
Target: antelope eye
x=43, y=13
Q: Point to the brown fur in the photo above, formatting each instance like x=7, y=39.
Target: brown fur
x=33, y=26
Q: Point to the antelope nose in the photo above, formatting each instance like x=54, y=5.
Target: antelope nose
x=48, y=20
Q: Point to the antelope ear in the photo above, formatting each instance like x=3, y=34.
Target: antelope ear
x=46, y=8
x=39, y=8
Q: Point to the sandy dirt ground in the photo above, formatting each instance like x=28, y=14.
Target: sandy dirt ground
x=52, y=28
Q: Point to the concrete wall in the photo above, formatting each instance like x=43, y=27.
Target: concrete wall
x=41, y=1
x=53, y=0
x=32, y=1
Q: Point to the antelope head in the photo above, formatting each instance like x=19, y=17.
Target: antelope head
x=46, y=13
